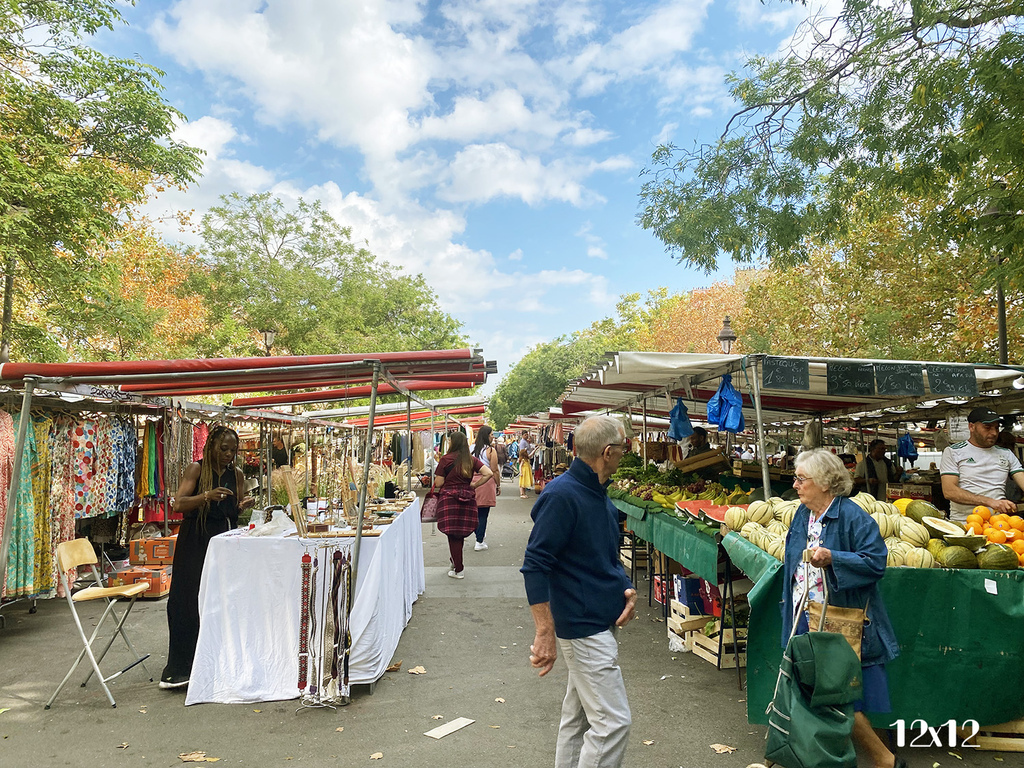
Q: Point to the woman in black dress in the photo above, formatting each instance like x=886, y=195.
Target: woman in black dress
x=208, y=499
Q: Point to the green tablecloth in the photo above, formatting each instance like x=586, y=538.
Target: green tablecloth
x=692, y=546
x=961, y=636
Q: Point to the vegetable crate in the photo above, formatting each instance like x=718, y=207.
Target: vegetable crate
x=682, y=622
x=627, y=557
x=1007, y=737
x=719, y=649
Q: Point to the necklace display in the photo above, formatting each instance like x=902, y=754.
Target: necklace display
x=324, y=637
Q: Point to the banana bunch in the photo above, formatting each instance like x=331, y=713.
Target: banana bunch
x=669, y=500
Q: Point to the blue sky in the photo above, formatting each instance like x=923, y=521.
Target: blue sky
x=493, y=145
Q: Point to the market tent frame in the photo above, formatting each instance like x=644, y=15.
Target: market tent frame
x=652, y=380
x=175, y=379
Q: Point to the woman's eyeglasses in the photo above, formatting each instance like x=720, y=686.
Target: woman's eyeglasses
x=799, y=480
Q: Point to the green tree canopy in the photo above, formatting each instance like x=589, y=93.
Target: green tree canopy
x=298, y=273
x=922, y=99
x=81, y=136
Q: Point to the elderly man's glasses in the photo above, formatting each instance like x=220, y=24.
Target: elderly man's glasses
x=620, y=446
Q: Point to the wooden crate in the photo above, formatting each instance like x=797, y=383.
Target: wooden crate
x=626, y=557
x=707, y=648
x=1006, y=737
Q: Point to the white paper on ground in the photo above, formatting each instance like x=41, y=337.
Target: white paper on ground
x=443, y=730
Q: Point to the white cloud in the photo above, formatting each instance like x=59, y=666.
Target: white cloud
x=516, y=255
x=665, y=134
x=595, y=245
x=482, y=172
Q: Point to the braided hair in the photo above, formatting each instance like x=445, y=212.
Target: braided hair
x=217, y=434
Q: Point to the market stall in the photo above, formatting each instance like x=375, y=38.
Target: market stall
x=248, y=648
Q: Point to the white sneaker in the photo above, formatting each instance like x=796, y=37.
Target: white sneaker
x=480, y=545
x=454, y=575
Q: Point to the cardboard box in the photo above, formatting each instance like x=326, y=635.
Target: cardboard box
x=895, y=491
x=687, y=592
x=660, y=585
x=159, y=579
x=158, y=551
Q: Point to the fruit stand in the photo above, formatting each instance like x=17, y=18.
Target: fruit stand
x=961, y=645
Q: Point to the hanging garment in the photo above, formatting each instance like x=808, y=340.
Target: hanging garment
x=199, y=436
x=21, y=556
x=44, y=585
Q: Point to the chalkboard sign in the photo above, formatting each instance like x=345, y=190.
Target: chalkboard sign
x=785, y=373
x=899, y=379
x=952, y=380
x=850, y=379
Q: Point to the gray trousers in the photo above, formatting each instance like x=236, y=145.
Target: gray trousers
x=594, y=728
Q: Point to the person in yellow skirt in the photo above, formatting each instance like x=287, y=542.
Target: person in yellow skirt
x=525, y=467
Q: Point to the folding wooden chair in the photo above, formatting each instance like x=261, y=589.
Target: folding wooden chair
x=70, y=555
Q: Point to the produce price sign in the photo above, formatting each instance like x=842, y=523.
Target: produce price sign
x=785, y=373
x=899, y=379
x=952, y=380
x=850, y=379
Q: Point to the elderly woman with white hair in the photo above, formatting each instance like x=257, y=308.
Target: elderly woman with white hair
x=848, y=556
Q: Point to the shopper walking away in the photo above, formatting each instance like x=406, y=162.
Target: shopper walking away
x=208, y=499
x=847, y=552
x=579, y=593
x=525, y=466
x=455, y=483
x=486, y=493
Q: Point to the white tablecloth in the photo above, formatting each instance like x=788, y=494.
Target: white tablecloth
x=248, y=646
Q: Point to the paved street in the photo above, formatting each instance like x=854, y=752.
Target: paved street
x=471, y=636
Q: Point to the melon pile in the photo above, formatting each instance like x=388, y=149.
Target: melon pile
x=916, y=534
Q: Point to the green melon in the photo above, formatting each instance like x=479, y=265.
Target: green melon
x=935, y=546
x=938, y=527
x=957, y=557
x=918, y=509
x=998, y=557
x=919, y=557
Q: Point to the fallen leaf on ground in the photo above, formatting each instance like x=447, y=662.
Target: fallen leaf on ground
x=197, y=757
x=954, y=754
x=437, y=717
x=500, y=700
x=376, y=755
x=494, y=726
x=647, y=742
x=339, y=730
x=417, y=671
x=723, y=749
x=665, y=677
x=394, y=667
x=5, y=709
x=257, y=711
x=123, y=745
x=503, y=647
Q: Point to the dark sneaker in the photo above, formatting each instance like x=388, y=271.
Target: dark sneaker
x=177, y=681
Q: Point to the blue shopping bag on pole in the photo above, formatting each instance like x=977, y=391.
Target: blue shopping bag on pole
x=679, y=427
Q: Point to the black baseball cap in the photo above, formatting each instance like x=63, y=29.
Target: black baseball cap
x=984, y=415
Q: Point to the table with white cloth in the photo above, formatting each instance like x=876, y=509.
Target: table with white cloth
x=248, y=649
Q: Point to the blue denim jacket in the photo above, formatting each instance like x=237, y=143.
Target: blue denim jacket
x=858, y=563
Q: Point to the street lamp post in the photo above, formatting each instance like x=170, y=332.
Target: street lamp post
x=268, y=339
x=726, y=336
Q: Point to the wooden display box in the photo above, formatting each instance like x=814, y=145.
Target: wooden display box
x=1006, y=737
x=703, y=460
x=626, y=557
x=707, y=648
x=159, y=579
x=158, y=551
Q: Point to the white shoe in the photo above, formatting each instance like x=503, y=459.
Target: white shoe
x=454, y=575
x=480, y=545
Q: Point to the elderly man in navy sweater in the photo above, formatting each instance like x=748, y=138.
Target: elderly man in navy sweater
x=579, y=593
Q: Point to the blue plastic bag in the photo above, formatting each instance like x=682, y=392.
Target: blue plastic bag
x=725, y=408
x=679, y=427
x=906, y=449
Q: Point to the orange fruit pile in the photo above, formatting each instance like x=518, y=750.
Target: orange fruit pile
x=998, y=529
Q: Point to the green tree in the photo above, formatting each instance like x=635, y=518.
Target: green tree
x=298, y=273
x=922, y=99
x=536, y=381
x=81, y=136
x=863, y=296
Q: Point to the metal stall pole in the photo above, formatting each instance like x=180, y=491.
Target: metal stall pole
x=644, y=431
x=408, y=432
x=12, y=492
x=309, y=461
x=765, y=475
x=368, y=454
